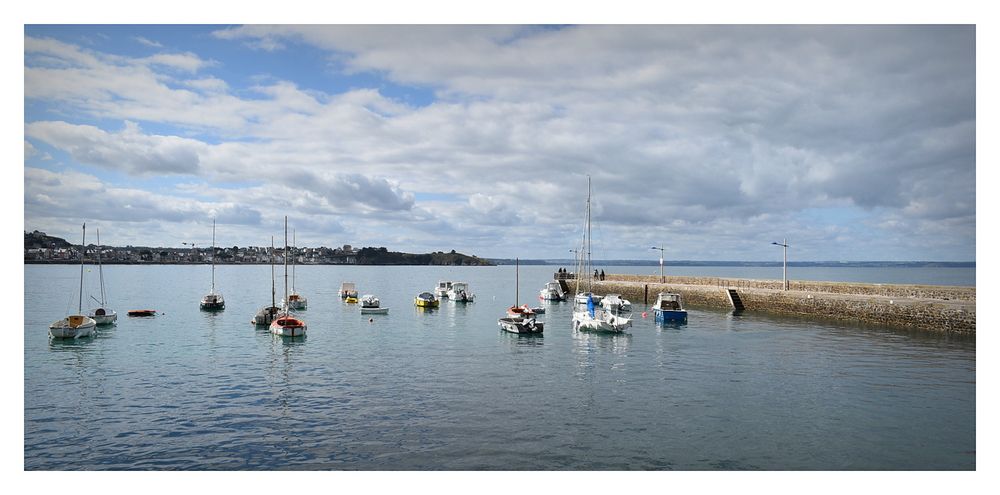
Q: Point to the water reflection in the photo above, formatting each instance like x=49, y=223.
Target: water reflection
x=517, y=341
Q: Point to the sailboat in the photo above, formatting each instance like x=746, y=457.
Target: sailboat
x=519, y=319
x=266, y=314
x=295, y=300
x=102, y=314
x=78, y=325
x=284, y=323
x=213, y=301
x=587, y=315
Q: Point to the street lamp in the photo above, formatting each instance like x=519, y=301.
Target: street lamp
x=661, y=261
x=784, y=262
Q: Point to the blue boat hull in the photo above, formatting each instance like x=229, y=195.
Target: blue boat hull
x=665, y=316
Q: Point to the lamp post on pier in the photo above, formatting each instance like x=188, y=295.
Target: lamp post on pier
x=784, y=263
x=661, y=261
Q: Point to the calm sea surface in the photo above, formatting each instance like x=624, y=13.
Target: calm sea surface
x=446, y=390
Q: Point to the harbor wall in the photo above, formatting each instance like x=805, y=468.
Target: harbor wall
x=935, y=309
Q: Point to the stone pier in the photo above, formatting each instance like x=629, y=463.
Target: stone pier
x=933, y=308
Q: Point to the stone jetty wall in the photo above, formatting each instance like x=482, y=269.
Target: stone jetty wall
x=937, y=309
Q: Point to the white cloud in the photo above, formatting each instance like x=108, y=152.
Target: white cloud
x=147, y=42
x=128, y=150
x=696, y=132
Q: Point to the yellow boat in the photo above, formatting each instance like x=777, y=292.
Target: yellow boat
x=426, y=300
x=351, y=300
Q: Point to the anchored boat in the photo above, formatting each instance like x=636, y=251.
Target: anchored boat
x=266, y=315
x=213, y=301
x=103, y=315
x=459, y=292
x=669, y=307
x=285, y=324
x=551, y=292
x=78, y=325
x=370, y=306
x=347, y=289
x=586, y=313
x=441, y=291
x=520, y=319
x=426, y=300
x=294, y=299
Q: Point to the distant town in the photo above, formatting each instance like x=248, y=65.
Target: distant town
x=42, y=248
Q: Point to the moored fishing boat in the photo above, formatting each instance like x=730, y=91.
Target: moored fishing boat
x=347, y=289
x=76, y=325
x=551, y=292
x=459, y=292
x=370, y=305
x=669, y=307
x=426, y=300
x=441, y=291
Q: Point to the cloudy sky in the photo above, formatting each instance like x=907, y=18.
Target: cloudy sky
x=853, y=142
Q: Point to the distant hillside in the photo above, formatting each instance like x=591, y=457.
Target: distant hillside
x=36, y=240
x=382, y=256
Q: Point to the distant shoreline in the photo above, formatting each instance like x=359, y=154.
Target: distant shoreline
x=570, y=263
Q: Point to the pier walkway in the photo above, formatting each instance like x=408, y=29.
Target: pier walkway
x=945, y=309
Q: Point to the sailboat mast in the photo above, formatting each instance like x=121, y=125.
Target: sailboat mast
x=285, y=304
x=213, y=256
x=590, y=240
x=100, y=267
x=271, y=259
x=83, y=253
x=295, y=252
x=517, y=280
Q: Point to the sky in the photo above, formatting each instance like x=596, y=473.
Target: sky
x=854, y=143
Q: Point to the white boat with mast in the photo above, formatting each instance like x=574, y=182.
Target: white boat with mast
x=519, y=319
x=285, y=324
x=78, y=325
x=266, y=314
x=103, y=315
x=295, y=300
x=588, y=316
x=213, y=301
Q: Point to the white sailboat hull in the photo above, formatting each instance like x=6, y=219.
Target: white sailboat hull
x=602, y=321
x=72, y=327
x=109, y=317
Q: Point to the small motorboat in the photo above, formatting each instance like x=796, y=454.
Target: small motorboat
x=347, y=289
x=426, y=300
x=351, y=300
x=616, y=304
x=520, y=325
x=441, y=291
x=370, y=306
x=142, y=312
x=551, y=292
x=459, y=292
x=669, y=307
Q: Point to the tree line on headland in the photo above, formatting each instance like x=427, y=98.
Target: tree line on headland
x=42, y=248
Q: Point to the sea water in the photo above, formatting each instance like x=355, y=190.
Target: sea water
x=447, y=390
